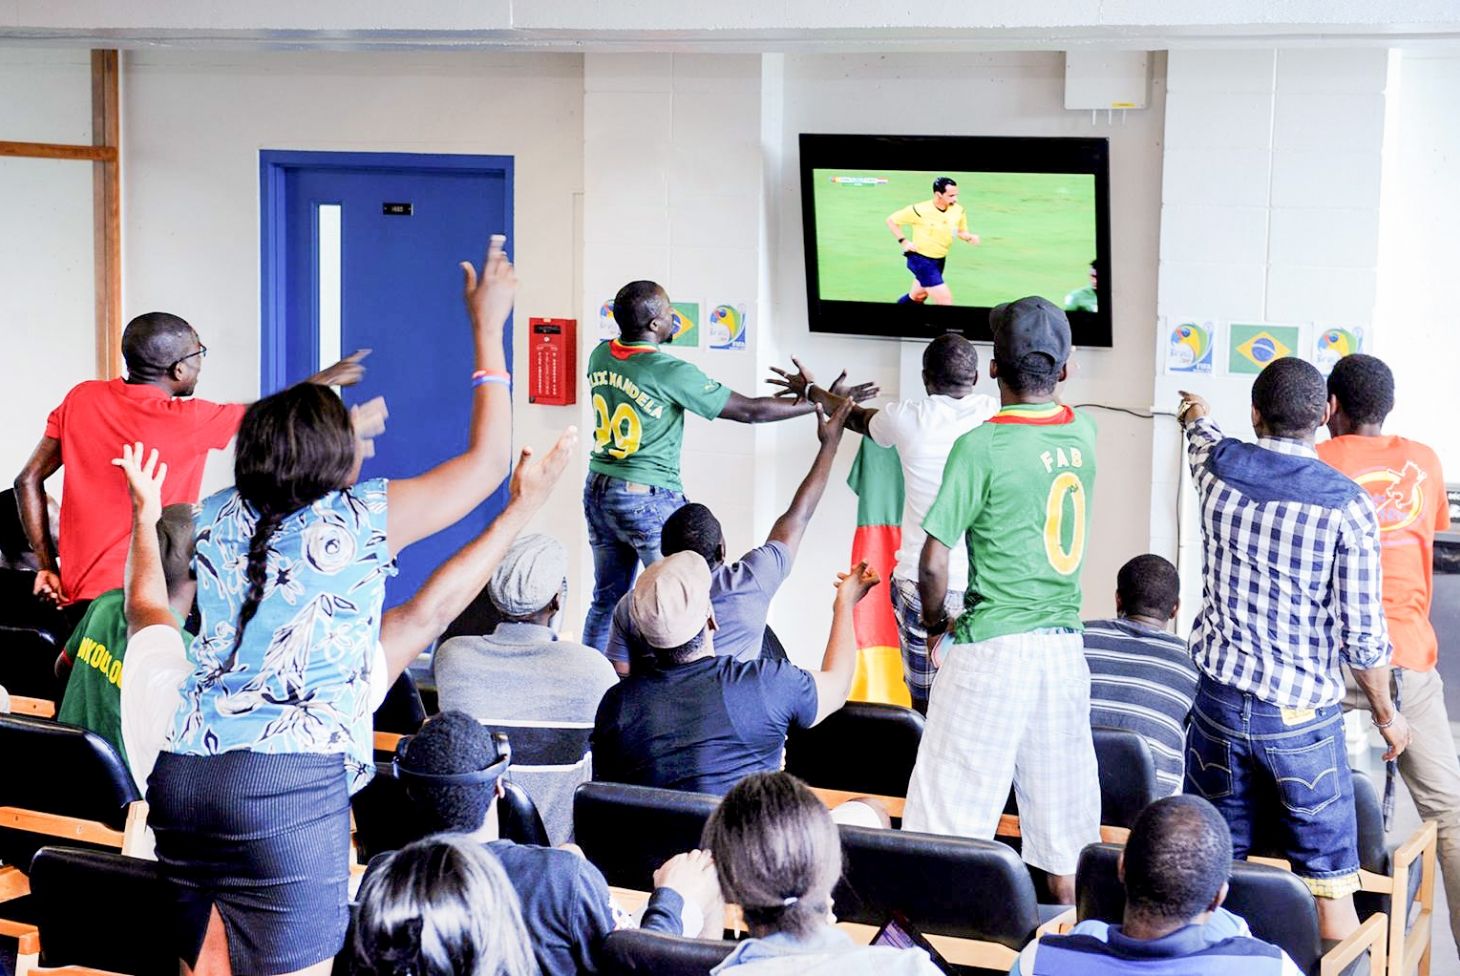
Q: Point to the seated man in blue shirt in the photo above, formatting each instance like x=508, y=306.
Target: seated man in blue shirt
x=741, y=591
x=699, y=722
x=565, y=900
x=1174, y=869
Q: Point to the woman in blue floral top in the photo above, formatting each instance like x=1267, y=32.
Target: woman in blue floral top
x=250, y=800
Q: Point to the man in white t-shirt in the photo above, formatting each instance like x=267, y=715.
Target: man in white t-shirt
x=923, y=430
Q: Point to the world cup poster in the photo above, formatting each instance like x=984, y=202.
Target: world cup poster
x=1191, y=347
x=727, y=326
x=607, y=327
x=1332, y=343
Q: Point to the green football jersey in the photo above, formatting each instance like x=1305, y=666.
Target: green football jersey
x=639, y=398
x=1082, y=300
x=1019, y=486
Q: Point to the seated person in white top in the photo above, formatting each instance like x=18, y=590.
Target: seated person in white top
x=521, y=680
x=923, y=430
x=156, y=661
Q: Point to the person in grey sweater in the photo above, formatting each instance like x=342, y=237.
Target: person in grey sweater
x=521, y=680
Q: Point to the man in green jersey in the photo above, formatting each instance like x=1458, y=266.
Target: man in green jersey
x=1085, y=299
x=639, y=397
x=95, y=651
x=1012, y=698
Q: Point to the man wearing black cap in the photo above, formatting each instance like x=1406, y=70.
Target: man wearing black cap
x=1012, y=701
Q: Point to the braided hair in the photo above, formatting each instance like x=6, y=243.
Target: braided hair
x=777, y=853
x=293, y=448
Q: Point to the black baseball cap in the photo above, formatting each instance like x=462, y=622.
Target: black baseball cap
x=1029, y=325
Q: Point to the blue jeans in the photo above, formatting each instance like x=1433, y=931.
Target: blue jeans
x=1284, y=771
x=624, y=523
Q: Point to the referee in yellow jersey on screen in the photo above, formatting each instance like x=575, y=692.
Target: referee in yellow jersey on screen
x=933, y=224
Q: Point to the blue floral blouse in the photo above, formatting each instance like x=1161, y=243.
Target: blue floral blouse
x=300, y=681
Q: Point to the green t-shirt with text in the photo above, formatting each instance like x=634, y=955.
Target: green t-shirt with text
x=1020, y=487
x=639, y=398
x=93, y=698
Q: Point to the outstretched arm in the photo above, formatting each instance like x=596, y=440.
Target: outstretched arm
x=791, y=526
x=146, y=602
x=346, y=372
x=839, y=664
x=30, y=496
x=408, y=629
x=801, y=385
x=428, y=503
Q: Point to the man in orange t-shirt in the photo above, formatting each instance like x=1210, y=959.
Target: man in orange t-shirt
x=1403, y=478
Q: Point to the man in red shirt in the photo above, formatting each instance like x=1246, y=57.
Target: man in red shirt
x=152, y=405
x=1404, y=479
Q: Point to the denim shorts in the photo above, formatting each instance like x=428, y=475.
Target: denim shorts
x=1277, y=772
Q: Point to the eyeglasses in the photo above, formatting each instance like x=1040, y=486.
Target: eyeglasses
x=201, y=353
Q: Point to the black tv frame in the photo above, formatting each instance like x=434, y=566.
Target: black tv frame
x=989, y=154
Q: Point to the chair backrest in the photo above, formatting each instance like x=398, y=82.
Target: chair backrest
x=28, y=664
x=633, y=951
x=627, y=832
x=386, y=819
x=60, y=771
x=1127, y=775
x=133, y=903
x=954, y=886
x=863, y=747
x=1277, y=906
x=402, y=711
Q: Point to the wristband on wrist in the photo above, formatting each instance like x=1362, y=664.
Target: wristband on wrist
x=492, y=372
x=500, y=378
x=1382, y=725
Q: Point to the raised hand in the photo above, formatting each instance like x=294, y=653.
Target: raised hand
x=793, y=384
x=829, y=429
x=1193, y=407
x=851, y=586
x=346, y=372
x=857, y=393
x=532, y=482
x=48, y=587
x=368, y=420
x=144, y=481
x=489, y=298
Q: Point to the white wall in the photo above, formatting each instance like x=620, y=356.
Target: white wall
x=46, y=278
x=196, y=121
x=975, y=94
x=1270, y=213
x=1420, y=249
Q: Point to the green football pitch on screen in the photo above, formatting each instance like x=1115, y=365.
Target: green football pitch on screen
x=1036, y=234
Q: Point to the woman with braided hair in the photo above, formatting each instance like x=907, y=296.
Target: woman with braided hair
x=778, y=854
x=250, y=800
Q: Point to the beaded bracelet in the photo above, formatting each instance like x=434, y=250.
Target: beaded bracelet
x=1381, y=725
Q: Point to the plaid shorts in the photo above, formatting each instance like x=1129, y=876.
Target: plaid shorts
x=917, y=667
x=1011, y=709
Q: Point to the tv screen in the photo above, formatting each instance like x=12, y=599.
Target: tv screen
x=913, y=236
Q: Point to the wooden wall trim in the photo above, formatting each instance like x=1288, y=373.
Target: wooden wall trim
x=106, y=196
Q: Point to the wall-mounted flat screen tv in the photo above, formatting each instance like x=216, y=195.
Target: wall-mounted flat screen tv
x=908, y=237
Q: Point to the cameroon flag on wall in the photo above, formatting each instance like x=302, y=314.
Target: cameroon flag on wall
x=876, y=478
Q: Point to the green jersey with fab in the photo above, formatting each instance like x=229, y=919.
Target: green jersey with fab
x=639, y=398
x=1018, y=487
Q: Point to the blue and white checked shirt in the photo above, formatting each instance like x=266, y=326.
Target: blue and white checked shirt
x=1290, y=570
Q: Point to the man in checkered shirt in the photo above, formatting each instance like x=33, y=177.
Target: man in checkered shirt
x=1290, y=591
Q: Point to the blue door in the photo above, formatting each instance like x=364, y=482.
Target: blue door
x=361, y=250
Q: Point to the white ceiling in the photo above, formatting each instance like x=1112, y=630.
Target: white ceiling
x=725, y=25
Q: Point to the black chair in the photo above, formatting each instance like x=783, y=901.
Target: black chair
x=863, y=747
x=629, y=952
x=1277, y=906
x=386, y=819
x=1127, y=773
x=402, y=711
x=627, y=832
x=1407, y=868
x=136, y=902
x=975, y=891
x=63, y=781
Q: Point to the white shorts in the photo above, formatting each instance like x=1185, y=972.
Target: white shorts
x=1011, y=709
